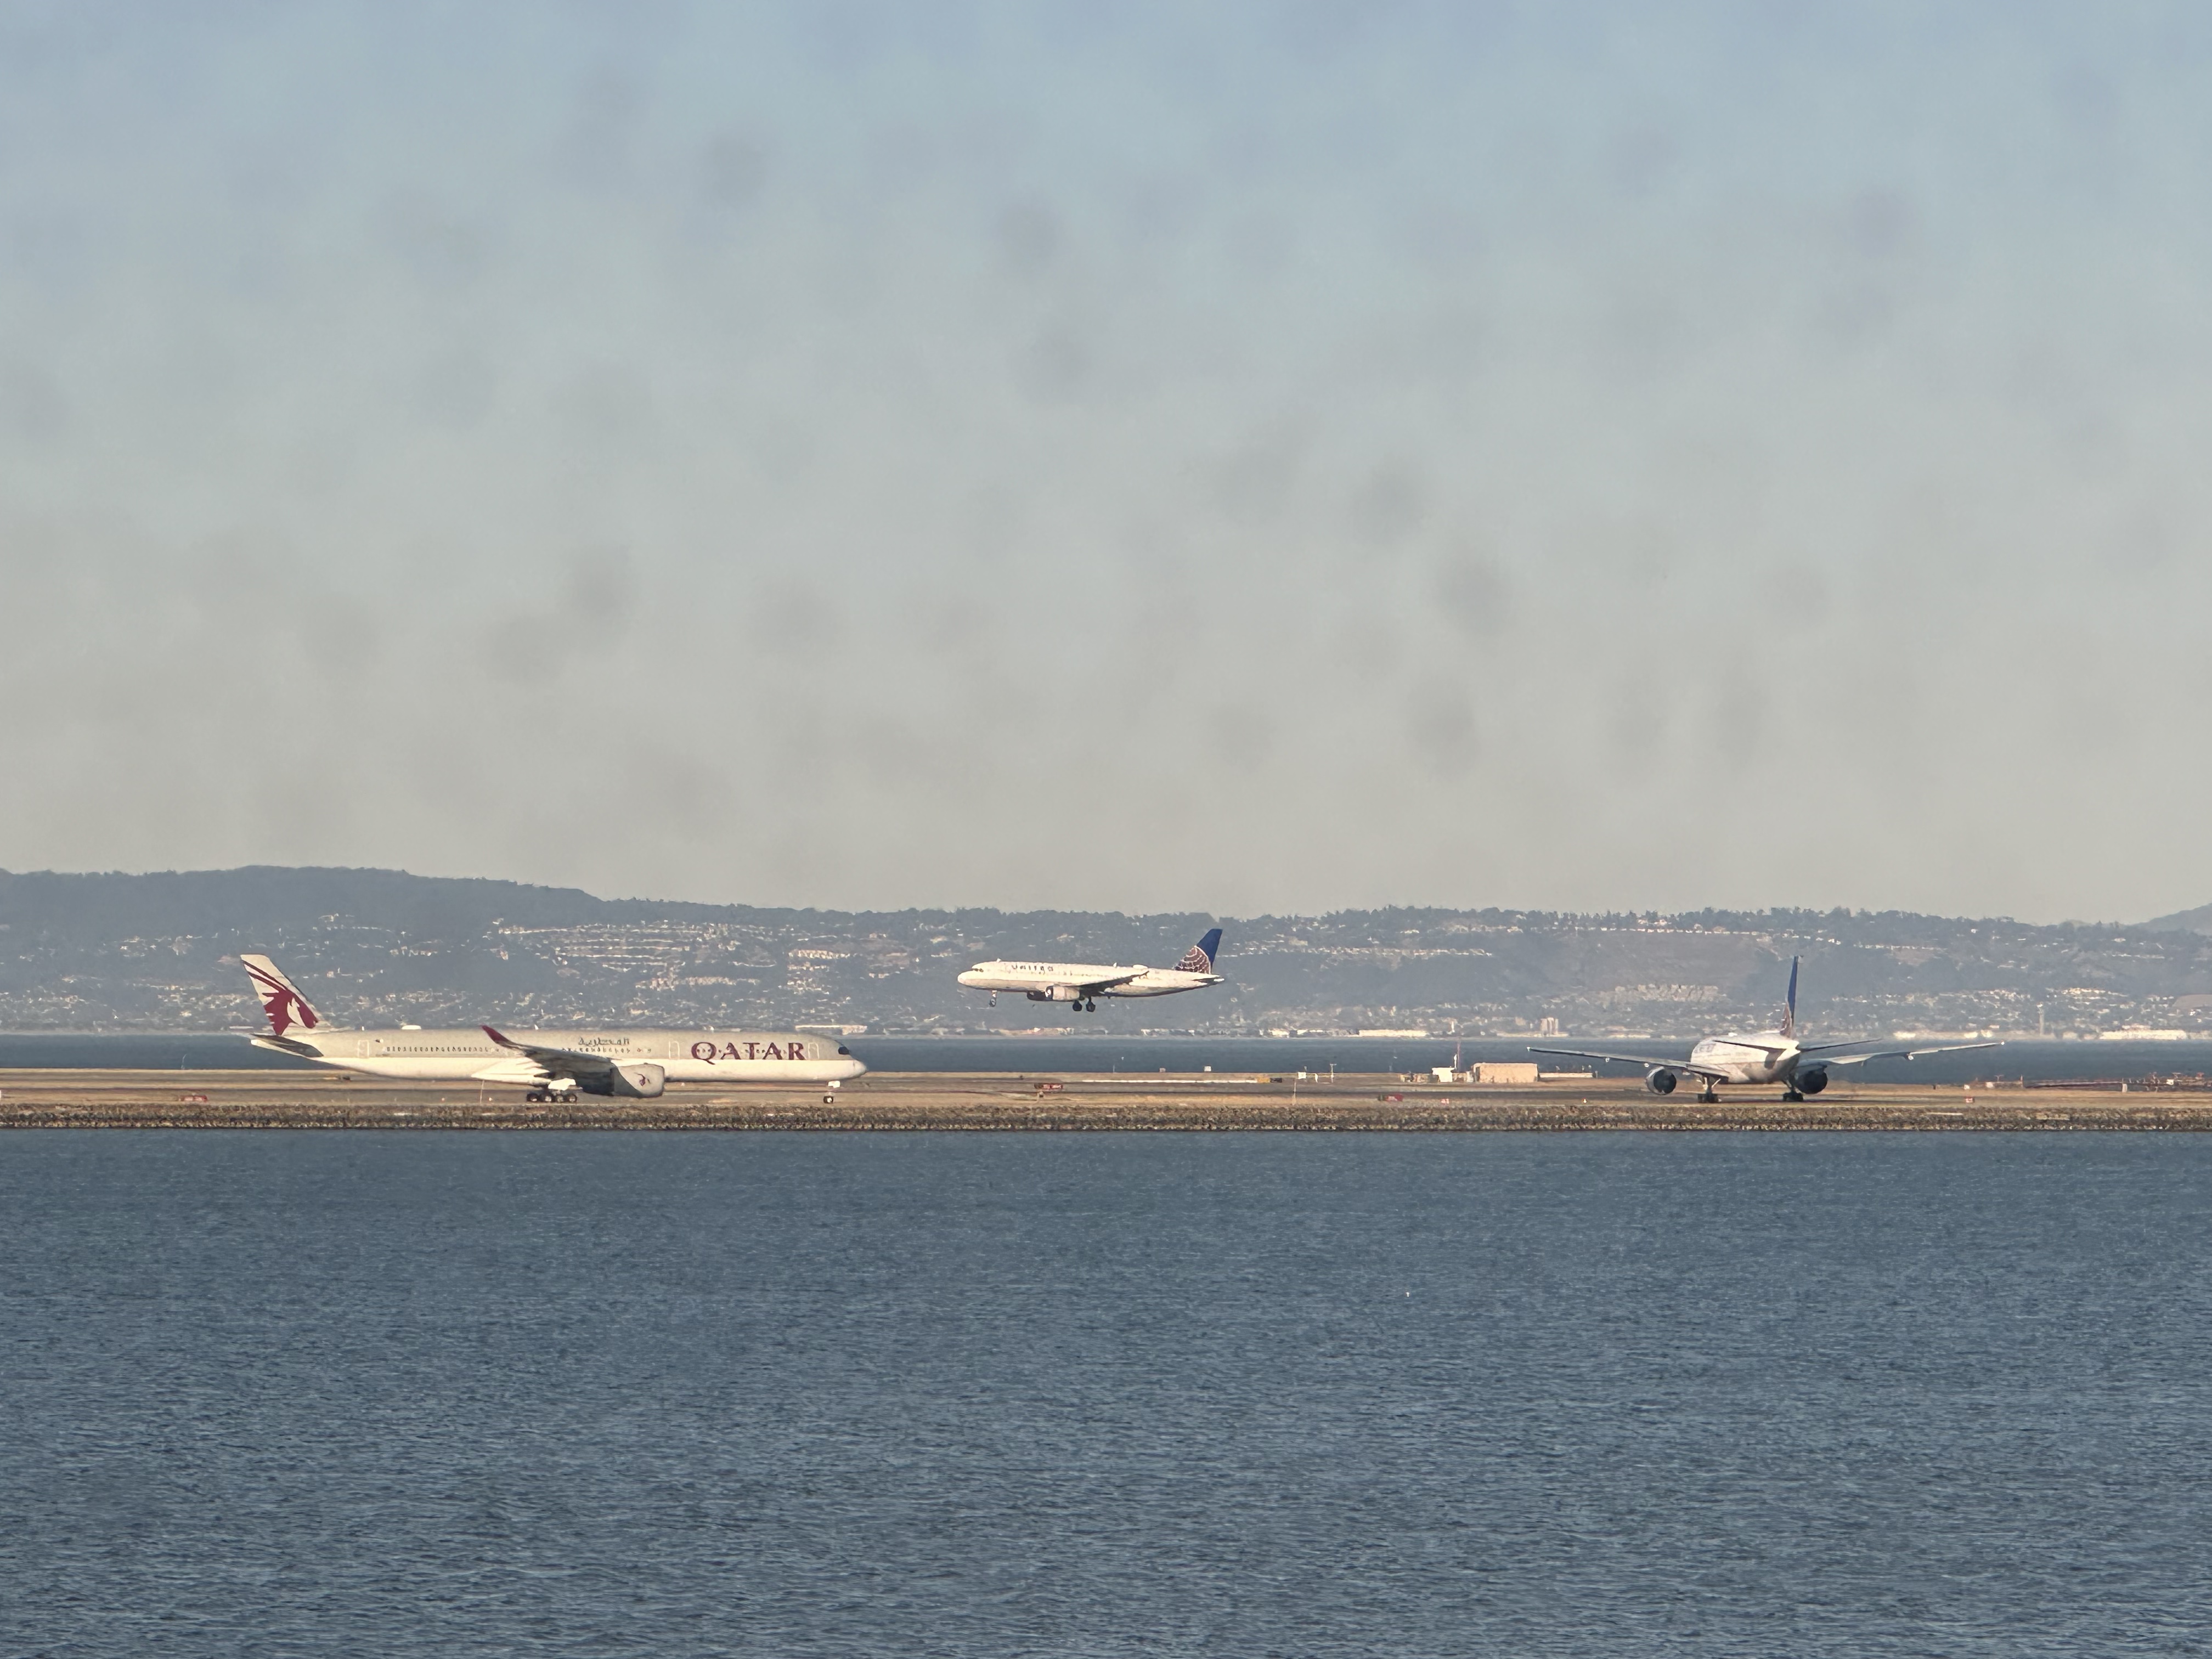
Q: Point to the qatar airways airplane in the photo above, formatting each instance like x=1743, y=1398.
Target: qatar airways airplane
x=551, y=1065
x=1775, y=1056
x=1083, y=983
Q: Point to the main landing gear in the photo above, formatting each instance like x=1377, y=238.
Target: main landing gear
x=1791, y=1094
x=1709, y=1098
x=1081, y=1006
x=538, y=1095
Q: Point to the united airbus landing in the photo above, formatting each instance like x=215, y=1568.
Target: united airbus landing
x=1082, y=983
x=551, y=1065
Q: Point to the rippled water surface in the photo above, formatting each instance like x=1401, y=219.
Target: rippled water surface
x=1299, y=1395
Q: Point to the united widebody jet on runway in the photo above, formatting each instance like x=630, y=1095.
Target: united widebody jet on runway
x=635, y=1064
x=1082, y=983
x=1775, y=1056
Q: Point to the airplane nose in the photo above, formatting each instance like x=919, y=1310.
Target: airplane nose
x=970, y=977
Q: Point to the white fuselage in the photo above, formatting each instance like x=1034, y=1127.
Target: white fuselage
x=468, y=1056
x=1767, y=1057
x=1065, y=982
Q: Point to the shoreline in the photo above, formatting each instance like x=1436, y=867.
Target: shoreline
x=1063, y=1103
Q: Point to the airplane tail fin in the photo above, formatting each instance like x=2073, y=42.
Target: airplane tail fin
x=1790, y=1005
x=280, y=998
x=1198, y=959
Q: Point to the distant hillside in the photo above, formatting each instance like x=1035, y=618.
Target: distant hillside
x=159, y=951
x=264, y=899
x=120, y=951
x=2198, y=920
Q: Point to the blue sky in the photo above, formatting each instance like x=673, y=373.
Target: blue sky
x=1289, y=457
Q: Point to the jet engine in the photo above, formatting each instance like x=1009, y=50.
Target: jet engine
x=1058, y=994
x=1659, y=1080
x=641, y=1081
x=1811, y=1082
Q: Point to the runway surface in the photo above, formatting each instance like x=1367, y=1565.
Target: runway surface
x=1006, y=1101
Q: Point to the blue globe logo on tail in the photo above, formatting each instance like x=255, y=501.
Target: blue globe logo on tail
x=1198, y=959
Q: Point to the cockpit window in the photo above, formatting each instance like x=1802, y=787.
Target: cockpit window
x=843, y=1050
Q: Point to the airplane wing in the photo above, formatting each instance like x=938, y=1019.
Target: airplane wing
x=1894, y=1053
x=554, y=1062
x=1644, y=1061
x=1092, y=986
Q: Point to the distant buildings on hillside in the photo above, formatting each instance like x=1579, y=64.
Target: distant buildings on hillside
x=157, y=953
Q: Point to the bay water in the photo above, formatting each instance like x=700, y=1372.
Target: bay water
x=299, y=1393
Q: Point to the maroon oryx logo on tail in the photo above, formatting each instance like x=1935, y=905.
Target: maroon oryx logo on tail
x=280, y=998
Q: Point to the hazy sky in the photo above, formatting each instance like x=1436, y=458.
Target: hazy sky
x=1240, y=459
